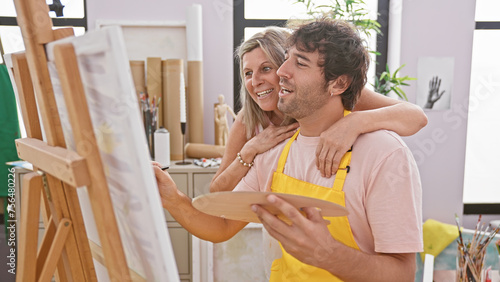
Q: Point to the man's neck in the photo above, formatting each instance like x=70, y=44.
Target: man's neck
x=322, y=119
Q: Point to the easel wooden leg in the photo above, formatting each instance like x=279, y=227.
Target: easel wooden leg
x=43, y=251
x=28, y=237
x=70, y=261
x=63, y=229
x=50, y=231
x=41, y=266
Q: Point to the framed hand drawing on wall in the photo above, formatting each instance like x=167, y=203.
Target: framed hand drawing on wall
x=434, y=82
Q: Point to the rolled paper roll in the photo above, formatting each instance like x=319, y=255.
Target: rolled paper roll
x=164, y=91
x=172, y=104
x=195, y=102
x=199, y=150
x=194, y=40
x=139, y=77
x=194, y=33
x=154, y=83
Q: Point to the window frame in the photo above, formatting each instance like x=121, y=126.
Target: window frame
x=240, y=23
x=56, y=22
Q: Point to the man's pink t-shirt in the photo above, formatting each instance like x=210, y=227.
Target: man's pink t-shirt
x=382, y=189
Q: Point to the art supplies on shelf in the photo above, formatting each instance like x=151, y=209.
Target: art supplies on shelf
x=203, y=162
x=149, y=111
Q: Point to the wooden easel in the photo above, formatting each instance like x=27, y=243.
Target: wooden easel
x=65, y=245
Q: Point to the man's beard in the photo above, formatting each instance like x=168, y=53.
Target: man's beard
x=302, y=102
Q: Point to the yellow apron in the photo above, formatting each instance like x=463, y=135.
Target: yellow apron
x=288, y=268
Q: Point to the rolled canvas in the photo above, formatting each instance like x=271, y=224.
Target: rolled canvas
x=195, y=101
x=171, y=104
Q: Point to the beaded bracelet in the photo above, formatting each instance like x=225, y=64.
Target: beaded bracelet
x=238, y=156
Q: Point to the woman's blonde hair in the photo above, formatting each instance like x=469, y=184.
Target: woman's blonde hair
x=272, y=41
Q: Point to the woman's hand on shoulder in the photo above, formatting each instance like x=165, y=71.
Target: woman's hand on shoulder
x=334, y=143
x=270, y=137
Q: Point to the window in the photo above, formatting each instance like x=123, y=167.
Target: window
x=73, y=14
x=250, y=18
x=481, y=183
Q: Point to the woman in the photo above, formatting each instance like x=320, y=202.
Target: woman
x=260, y=126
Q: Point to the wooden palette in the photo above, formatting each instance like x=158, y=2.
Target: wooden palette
x=237, y=205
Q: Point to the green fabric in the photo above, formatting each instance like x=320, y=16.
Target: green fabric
x=9, y=128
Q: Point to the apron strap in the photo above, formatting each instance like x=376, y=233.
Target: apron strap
x=343, y=169
x=341, y=174
x=338, y=184
x=346, y=112
x=284, y=153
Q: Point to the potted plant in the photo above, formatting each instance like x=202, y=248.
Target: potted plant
x=388, y=83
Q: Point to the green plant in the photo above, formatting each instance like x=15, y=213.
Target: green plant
x=388, y=82
x=354, y=12
x=349, y=10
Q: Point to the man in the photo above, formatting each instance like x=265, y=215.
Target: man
x=379, y=183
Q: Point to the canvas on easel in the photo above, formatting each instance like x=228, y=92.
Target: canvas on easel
x=112, y=104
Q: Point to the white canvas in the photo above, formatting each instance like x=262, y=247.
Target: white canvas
x=118, y=128
x=152, y=39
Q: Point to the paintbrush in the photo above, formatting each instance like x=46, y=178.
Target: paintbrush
x=497, y=243
x=459, y=232
x=490, y=237
x=472, y=253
